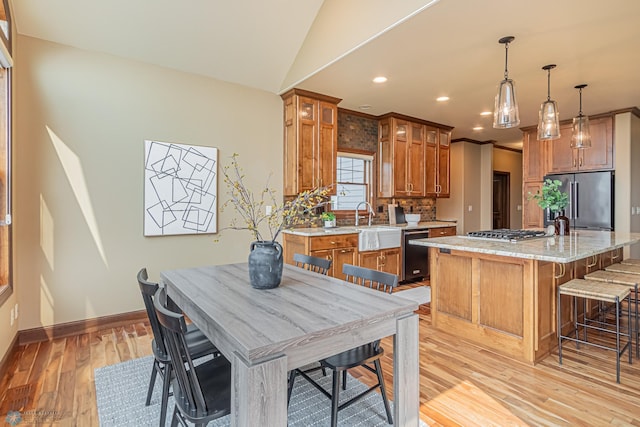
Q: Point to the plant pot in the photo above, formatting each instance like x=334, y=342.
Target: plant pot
x=265, y=264
x=561, y=224
x=330, y=223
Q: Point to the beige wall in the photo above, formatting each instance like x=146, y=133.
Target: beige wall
x=511, y=161
x=78, y=205
x=466, y=188
x=627, y=190
x=451, y=208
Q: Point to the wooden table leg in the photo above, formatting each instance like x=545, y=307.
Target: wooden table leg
x=259, y=393
x=406, y=372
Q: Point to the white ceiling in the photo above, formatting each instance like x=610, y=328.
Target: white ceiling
x=449, y=49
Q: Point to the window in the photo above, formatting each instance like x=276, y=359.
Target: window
x=5, y=152
x=353, y=181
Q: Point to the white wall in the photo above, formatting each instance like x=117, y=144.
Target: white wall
x=101, y=109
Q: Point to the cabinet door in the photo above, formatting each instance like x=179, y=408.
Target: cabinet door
x=341, y=257
x=385, y=159
x=369, y=259
x=400, y=141
x=290, y=164
x=390, y=261
x=532, y=214
x=534, y=156
x=444, y=159
x=431, y=160
x=307, y=143
x=561, y=157
x=415, y=176
x=600, y=155
x=327, y=150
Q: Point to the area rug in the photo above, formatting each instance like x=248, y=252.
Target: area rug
x=121, y=391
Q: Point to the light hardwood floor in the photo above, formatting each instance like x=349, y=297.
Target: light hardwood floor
x=461, y=384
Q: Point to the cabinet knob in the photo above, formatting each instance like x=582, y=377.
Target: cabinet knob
x=334, y=243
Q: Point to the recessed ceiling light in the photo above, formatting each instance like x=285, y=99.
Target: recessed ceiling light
x=380, y=79
x=442, y=98
x=365, y=107
x=478, y=128
x=486, y=113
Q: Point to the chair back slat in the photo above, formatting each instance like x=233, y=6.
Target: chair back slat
x=374, y=279
x=175, y=328
x=148, y=290
x=312, y=263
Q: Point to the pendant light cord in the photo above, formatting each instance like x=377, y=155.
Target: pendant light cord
x=549, y=84
x=580, y=113
x=506, y=60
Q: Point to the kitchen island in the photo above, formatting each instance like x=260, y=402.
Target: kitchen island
x=501, y=295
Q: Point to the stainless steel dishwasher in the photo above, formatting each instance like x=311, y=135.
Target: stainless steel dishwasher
x=415, y=259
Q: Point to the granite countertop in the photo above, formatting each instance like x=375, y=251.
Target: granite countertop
x=320, y=231
x=579, y=245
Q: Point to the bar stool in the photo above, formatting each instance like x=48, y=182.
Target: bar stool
x=624, y=268
x=598, y=291
x=630, y=280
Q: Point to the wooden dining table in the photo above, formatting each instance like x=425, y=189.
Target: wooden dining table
x=266, y=333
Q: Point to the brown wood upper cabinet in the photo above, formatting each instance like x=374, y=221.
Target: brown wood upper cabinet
x=563, y=158
x=401, y=150
x=310, y=141
x=438, y=144
x=534, y=157
x=413, y=159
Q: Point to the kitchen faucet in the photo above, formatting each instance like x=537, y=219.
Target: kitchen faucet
x=371, y=212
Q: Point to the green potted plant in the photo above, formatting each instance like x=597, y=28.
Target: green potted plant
x=550, y=197
x=329, y=219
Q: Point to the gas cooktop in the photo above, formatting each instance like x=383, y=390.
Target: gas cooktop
x=506, y=235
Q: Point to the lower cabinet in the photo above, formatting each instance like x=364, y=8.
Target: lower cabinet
x=339, y=257
x=340, y=248
x=532, y=214
x=387, y=260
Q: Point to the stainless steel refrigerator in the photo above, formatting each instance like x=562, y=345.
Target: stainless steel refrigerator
x=591, y=199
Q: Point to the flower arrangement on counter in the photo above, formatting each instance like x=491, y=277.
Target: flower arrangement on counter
x=551, y=197
x=252, y=208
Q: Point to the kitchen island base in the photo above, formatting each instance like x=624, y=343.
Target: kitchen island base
x=505, y=304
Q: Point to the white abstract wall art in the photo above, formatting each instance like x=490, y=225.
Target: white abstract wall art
x=180, y=189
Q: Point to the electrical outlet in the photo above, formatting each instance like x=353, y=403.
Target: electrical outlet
x=519, y=207
x=268, y=209
x=470, y=208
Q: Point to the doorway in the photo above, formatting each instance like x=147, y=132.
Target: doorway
x=501, y=186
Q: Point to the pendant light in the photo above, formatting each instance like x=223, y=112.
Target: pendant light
x=580, y=136
x=505, y=112
x=548, y=120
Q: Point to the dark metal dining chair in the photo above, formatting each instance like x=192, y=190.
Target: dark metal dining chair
x=202, y=392
x=195, y=340
x=312, y=263
x=360, y=356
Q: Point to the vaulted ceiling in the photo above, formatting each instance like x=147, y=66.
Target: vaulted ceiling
x=426, y=48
